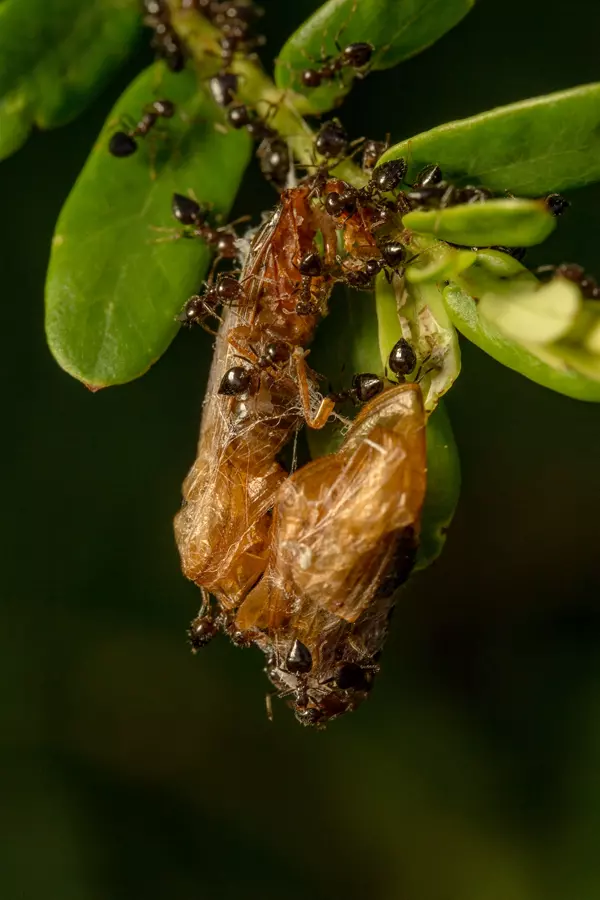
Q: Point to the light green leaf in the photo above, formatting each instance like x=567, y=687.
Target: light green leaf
x=113, y=292
x=56, y=57
x=542, y=316
x=512, y=223
x=544, y=365
x=416, y=312
x=548, y=143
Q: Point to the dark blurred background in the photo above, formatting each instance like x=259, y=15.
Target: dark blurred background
x=132, y=769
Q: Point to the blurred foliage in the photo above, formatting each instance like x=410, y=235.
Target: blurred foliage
x=133, y=769
x=56, y=58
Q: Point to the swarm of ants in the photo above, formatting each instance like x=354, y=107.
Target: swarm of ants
x=296, y=562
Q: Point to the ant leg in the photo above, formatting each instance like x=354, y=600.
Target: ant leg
x=343, y=27
x=269, y=703
x=242, y=350
x=174, y=234
x=327, y=405
x=235, y=222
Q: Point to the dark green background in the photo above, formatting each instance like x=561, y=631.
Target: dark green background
x=132, y=769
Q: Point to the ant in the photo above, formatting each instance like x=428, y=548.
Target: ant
x=365, y=386
x=386, y=178
x=587, y=284
x=356, y=56
x=223, y=88
x=274, y=158
x=310, y=266
x=402, y=359
x=123, y=143
x=393, y=256
x=240, y=380
x=557, y=204
x=273, y=152
x=199, y=307
x=372, y=153
x=165, y=40
x=203, y=627
x=194, y=217
x=332, y=140
x=431, y=191
x=239, y=116
x=234, y=19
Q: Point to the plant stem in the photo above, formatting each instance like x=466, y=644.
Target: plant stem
x=256, y=90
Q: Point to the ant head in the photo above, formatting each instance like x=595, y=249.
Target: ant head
x=311, y=264
x=358, y=55
x=187, y=211
x=390, y=175
x=331, y=140
x=402, y=359
x=121, y=144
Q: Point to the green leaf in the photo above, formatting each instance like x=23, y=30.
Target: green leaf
x=548, y=143
x=397, y=29
x=512, y=223
x=416, y=312
x=443, y=487
x=542, y=365
x=113, y=291
x=542, y=316
x=55, y=57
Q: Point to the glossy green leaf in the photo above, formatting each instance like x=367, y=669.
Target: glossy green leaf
x=397, y=29
x=542, y=316
x=548, y=143
x=443, y=487
x=512, y=223
x=55, y=57
x=545, y=366
x=114, y=290
x=416, y=312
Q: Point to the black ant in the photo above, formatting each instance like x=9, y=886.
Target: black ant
x=372, y=153
x=393, y=256
x=274, y=159
x=194, y=217
x=310, y=266
x=402, y=359
x=223, y=88
x=362, y=278
x=355, y=56
x=204, y=627
x=225, y=292
x=273, y=152
x=165, y=40
x=123, y=143
x=365, y=386
x=332, y=140
x=432, y=192
x=557, y=204
x=234, y=19
x=240, y=380
x=201, y=631
x=386, y=178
